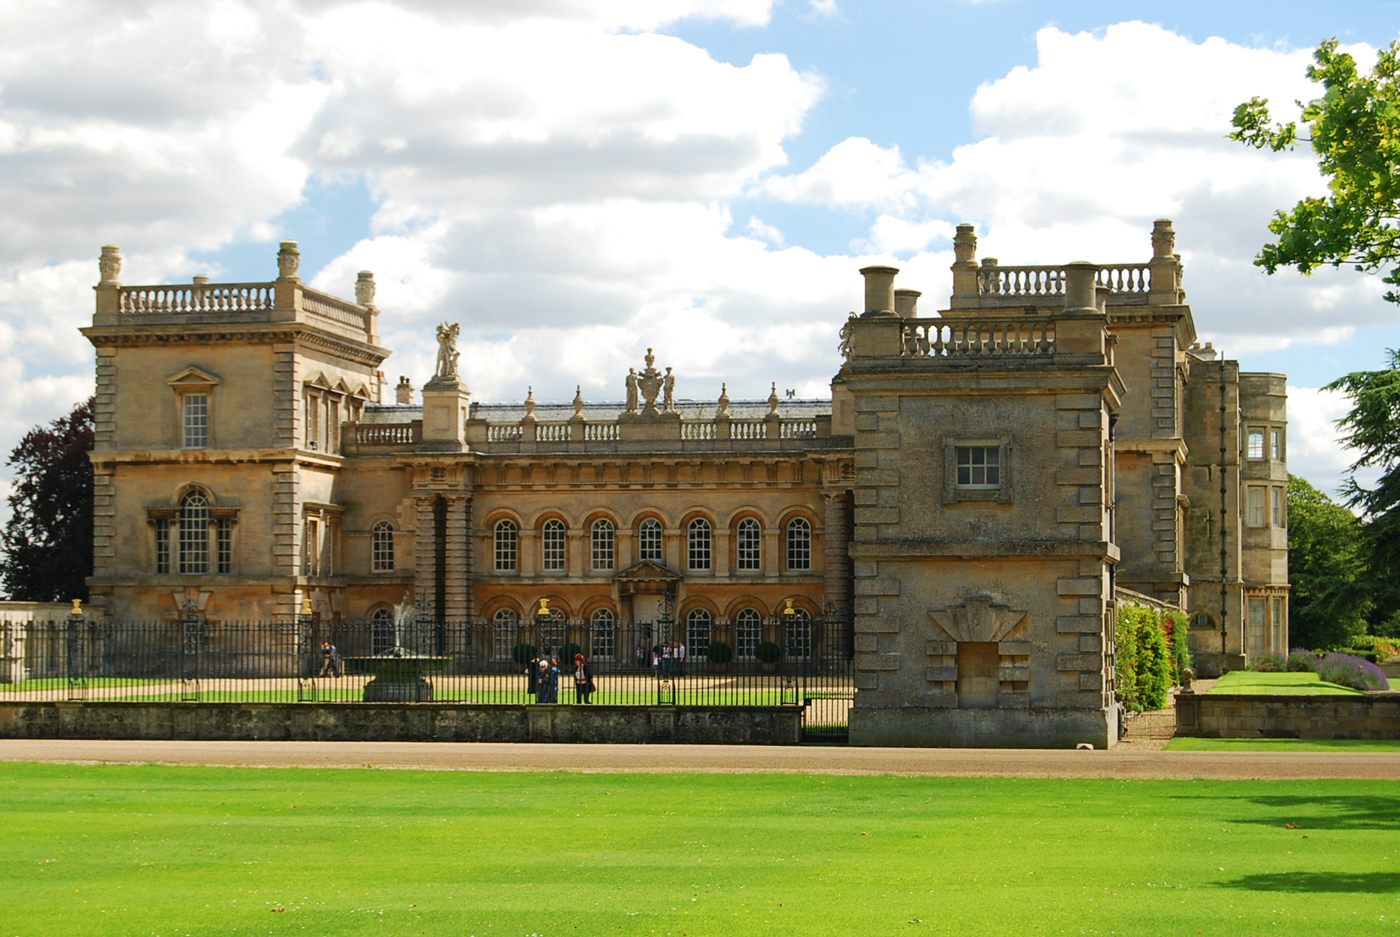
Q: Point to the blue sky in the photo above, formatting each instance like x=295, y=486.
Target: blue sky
x=577, y=181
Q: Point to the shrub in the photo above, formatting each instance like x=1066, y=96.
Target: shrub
x=522, y=653
x=767, y=652
x=1350, y=670
x=1142, y=661
x=1268, y=662
x=1175, y=626
x=566, y=654
x=719, y=653
x=1301, y=660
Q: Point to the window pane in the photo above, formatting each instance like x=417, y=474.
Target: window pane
x=748, y=632
x=1276, y=445
x=604, y=631
x=162, y=546
x=505, y=546
x=1277, y=506
x=1256, y=444
x=699, y=544
x=799, y=544
x=1255, y=508
x=194, y=533
x=553, y=545
x=649, y=540
x=978, y=466
x=750, y=545
x=697, y=633
x=224, y=528
x=602, y=545
x=382, y=543
x=196, y=421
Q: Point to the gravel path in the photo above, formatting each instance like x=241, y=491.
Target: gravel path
x=958, y=762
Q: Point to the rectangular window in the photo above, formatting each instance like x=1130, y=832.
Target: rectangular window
x=311, y=548
x=602, y=545
x=313, y=420
x=1276, y=445
x=649, y=541
x=333, y=427
x=1256, y=626
x=699, y=544
x=162, y=546
x=553, y=542
x=505, y=547
x=1276, y=508
x=224, y=545
x=1278, y=624
x=1254, y=508
x=750, y=545
x=1255, y=444
x=196, y=421
x=979, y=466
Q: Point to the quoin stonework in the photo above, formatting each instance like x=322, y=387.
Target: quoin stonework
x=964, y=514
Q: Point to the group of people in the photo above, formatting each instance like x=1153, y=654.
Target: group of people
x=330, y=660
x=544, y=674
x=667, y=659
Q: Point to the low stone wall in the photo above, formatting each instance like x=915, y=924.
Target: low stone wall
x=1237, y=716
x=402, y=722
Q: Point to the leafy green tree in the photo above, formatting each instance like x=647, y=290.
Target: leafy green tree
x=1354, y=129
x=47, y=543
x=1328, y=569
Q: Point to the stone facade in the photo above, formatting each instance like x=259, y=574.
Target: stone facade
x=978, y=485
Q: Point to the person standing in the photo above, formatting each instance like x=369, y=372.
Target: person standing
x=548, y=685
x=327, y=658
x=680, y=658
x=666, y=660
x=583, y=679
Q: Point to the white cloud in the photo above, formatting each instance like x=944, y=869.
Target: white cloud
x=1314, y=450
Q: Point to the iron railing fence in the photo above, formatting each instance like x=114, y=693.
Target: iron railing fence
x=792, y=661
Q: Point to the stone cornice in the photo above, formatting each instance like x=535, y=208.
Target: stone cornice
x=213, y=457
x=258, y=333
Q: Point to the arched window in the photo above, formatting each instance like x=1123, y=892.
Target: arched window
x=750, y=544
x=553, y=543
x=381, y=631
x=194, y=533
x=799, y=544
x=649, y=540
x=748, y=632
x=506, y=540
x=697, y=633
x=797, y=635
x=602, y=544
x=381, y=537
x=504, y=625
x=603, y=627
x=698, y=543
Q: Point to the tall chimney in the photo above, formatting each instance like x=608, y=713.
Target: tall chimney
x=906, y=303
x=879, y=290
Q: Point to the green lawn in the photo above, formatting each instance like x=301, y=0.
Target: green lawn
x=1184, y=744
x=1279, y=684
x=165, y=851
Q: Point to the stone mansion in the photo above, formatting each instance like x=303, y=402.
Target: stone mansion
x=984, y=485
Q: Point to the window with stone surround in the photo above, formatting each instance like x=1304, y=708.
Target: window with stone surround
x=749, y=545
x=977, y=468
x=602, y=544
x=194, y=533
x=698, y=623
x=223, y=554
x=603, y=627
x=799, y=545
x=1277, y=507
x=506, y=546
x=382, y=547
x=195, y=421
x=1276, y=444
x=552, y=543
x=698, y=544
x=1254, y=443
x=1255, y=514
x=748, y=632
x=162, y=546
x=649, y=540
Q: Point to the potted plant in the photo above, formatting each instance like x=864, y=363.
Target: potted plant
x=720, y=654
x=768, y=653
x=522, y=654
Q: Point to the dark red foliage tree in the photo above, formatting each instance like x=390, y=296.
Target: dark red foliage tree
x=47, y=544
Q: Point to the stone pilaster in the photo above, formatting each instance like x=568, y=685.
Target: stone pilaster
x=458, y=555
x=424, y=549
x=837, y=567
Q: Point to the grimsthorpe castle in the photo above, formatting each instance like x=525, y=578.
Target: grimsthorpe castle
x=984, y=486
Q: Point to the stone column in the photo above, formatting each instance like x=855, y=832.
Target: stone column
x=459, y=558
x=424, y=549
x=838, y=561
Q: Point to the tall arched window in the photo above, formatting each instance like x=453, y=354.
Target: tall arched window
x=194, y=533
x=381, y=537
x=504, y=625
x=698, y=543
x=748, y=632
x=552, y=542
x=797, y=635
x=602, y=542
x=799, y=544
x=506, y=540
x=749, y=546
x=649, y=540
x=697, y=633
x=381, y=631
x=603, y=626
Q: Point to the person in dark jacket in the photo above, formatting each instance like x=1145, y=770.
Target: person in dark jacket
x=532, y=675
x=547, y=688
x=583, y=679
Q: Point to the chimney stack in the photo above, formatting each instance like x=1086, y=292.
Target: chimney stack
x=879, y=291
x=906, y=303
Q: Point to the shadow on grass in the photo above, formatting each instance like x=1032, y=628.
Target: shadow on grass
x=1338, y=812
x=1369, y=883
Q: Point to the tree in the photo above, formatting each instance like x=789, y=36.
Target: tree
x=1328, y=569
x=1355, y=130
x=47, y=544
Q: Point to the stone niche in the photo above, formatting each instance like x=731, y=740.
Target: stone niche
x=982, y=658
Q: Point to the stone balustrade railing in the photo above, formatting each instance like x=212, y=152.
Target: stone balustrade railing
x=388, y=434
x=332, y=309
x=195, y=298
x=958, y=338
x=1033, y=285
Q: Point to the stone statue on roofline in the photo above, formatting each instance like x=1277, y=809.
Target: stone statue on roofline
x=631, y=390
x=668, y=401
x=447, y=352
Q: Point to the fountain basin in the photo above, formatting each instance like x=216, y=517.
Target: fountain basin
x=397, y=678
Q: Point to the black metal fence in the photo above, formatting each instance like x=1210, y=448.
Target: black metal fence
x=793, y=660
